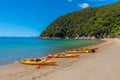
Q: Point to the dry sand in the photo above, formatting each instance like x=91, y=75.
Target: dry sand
x=102, y=65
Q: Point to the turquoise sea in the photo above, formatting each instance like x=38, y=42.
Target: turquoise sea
x=12, y=49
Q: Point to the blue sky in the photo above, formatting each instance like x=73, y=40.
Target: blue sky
x=30, y=17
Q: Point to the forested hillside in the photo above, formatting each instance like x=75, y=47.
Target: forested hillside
x=100, y=22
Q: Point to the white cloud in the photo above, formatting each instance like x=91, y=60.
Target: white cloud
x=84, y=5
x=70, y=0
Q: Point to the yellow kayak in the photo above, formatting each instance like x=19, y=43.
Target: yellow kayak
x=42, y=62
x=65, y=55
x=80, y=51
x=83, y=50
x=89, y=48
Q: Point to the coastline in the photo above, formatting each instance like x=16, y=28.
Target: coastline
x=17, y=71
x=93, y=42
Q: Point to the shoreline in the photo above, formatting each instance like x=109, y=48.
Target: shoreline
x=17, y=71
x=7, y=63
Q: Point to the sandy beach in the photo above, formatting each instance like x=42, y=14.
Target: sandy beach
x=102, y=65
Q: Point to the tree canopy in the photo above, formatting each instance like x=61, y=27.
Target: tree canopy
x=100, y=22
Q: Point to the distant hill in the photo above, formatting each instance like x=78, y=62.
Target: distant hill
x=99, y=22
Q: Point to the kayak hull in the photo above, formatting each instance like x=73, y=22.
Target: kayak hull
x=65, y=55
x=83, y=50
x=28, y=62
x=75, y=52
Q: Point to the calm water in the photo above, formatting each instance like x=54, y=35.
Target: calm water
x=14, y=49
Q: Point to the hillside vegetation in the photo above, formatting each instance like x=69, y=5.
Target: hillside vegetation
x=99, y=22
